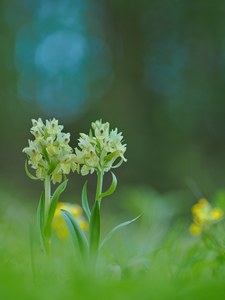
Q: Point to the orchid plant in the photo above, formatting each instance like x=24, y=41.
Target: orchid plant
x=100, y=151
x=50, y=155
x=52, y=158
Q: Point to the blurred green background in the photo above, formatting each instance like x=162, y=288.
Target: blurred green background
x=154, y=69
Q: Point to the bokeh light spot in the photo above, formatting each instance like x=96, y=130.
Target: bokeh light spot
x=61, y=51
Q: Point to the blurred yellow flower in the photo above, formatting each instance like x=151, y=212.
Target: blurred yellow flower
x=59, y=224
x=204, y=216
x=195, y=229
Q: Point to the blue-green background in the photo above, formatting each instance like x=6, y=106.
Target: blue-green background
x=156, y=70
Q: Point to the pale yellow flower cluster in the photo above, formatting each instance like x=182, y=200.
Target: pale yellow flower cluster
x=59, y=224
x=204, y=216
x=100, y=150
x=49, y=153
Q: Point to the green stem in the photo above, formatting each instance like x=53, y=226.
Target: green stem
x=47, y=194
x=99, y=185
x=47, y=186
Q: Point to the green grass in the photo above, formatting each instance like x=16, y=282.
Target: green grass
x=154, y=258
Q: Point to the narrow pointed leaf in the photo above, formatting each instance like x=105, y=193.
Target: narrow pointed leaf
x=90, y=133
x=55, y=198
x=28, y=172
x=53, y=205
x=41, y=216
x=116, y=228
x=110, y=156
x=78, y=237
x=111, y=189
x=95, y=229
x=85, y=204
x=118, y=164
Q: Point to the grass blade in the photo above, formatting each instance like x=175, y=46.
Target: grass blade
x=116, y=228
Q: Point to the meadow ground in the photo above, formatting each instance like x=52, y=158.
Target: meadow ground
x=153, y=258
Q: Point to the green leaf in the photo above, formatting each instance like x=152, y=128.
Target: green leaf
x=76, y=233
x=45, y=154
x=111, y=156
x=85, y=204
x=52, y=208
x=28, y=172
x=41, y=216
x=95, y=229
x=118, y=164
x=111, y=189
x=116, y=228
x=90, y=133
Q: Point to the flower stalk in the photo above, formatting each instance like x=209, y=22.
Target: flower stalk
x=100, y=152
x=47, y=188
x=100, y=175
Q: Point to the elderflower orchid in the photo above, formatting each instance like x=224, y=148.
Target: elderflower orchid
x=100, y=150
x=50, y=153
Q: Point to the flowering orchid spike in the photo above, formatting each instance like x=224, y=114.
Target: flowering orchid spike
x=49, y=153
x=101, y=149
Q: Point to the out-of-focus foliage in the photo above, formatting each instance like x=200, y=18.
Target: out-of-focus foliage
x=155, y=69
x=156, y=251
